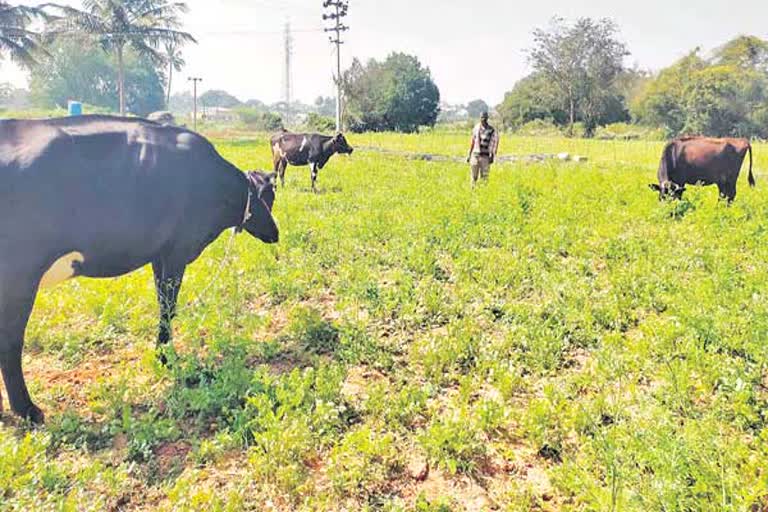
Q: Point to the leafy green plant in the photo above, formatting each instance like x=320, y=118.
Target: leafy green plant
x=453, y=442
x=311, y=331
x=364, y=463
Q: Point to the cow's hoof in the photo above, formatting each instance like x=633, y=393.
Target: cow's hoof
x=34, y=414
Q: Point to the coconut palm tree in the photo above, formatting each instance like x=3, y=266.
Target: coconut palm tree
x=16, y=40
x=176, y=62
x=116, y=25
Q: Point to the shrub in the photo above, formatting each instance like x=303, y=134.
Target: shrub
x=310, y=330
x=539, y=128
x=445, y=358
x=454, y=442
x=364, y=462
x=317, y=123
x=262, y=121
x=626, y=131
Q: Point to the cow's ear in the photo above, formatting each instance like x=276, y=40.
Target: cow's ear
x=654, y=187
x=271, y=178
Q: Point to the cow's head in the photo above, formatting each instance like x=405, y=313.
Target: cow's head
x=668, y=190
x=261, y=224
x=340, y=145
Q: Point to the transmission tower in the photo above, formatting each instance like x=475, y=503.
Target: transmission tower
x=288, y=77
x=337, y=10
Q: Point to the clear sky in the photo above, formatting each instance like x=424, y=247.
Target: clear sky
x=475, y=49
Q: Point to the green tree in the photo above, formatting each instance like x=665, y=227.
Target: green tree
x=260, y=120
x=181, y=103
x=16, y=39
x=73, y=70
x=582, y=61
x=220, y=99
x=397, y=94
x=477, y=107
x=117, y=25
x=713, y=102
x=535, y=98
x=724, y=95
x=662, y=103
x=326, y=106
x=745, y=52
x=319, y=123
x=532, y=98
x=175, y=62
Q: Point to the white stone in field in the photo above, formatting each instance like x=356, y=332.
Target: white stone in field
x=564, y=156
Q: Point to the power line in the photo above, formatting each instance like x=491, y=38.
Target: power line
x=338, y=9
x=250, y=32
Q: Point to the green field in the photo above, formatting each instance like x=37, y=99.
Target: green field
x=559, y=340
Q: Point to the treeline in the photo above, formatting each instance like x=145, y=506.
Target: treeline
x=579, y=84
x=122, y=56
x=256, y=114
x=114, y=55
x=74, y=71
x=723, y=94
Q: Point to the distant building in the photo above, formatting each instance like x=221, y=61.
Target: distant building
x=220, y=114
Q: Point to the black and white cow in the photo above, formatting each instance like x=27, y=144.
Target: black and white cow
x=101, y=196
x=306, y=149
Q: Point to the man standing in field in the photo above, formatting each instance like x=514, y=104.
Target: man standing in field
x=482, y=152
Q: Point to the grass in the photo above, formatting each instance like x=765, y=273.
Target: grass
x=559, y=340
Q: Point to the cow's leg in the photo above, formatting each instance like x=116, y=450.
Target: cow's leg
x=17, y=296
x=722, y=188
x=313, y=168
x=168, y=278
x=281, y=167
x=727, y=191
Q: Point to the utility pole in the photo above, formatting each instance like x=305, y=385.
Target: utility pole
x=288, y=75
x=337, y=10
x=194, y=81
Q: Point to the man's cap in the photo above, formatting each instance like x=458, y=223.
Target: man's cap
x=484, y=115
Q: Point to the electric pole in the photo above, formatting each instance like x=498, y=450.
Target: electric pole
x=337, y=10
x=194, y=81
x=288, y=76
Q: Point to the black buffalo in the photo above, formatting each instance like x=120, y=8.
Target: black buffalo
x=702, y=161
x=306, y=149
x=101, y=196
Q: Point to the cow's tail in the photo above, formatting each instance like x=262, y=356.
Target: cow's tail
x=752, y=182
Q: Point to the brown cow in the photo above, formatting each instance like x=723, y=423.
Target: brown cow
x=702, y=161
